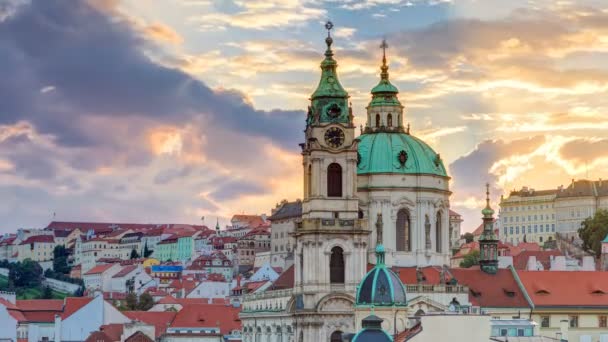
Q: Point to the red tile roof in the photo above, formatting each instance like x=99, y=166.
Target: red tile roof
x=564, y=288
x=160, y=319
x=285, y=280
x=491, y=291
x=254, y=285
x=125, y=271
x=99, y=336
x=40, y=304
x=520, y=261
x=113, y=331
x=39, y=239
x=168, y=299
x=99, y=269
x=73, y=304
x=138, y=336
x=208, y=315
x=408, y=275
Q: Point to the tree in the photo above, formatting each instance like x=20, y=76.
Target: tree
x=470, y=259
x=131, y=301
x=146, y=302
x=593, y=230
x=47, y=293
x=468, y=237
x=60, y=260
x=26, y=274
x=134, y=254
x=147, y=252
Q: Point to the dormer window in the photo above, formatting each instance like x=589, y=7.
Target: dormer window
x=542, y=292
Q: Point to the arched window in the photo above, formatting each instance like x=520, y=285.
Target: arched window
x=389, y=120
x=309, y=181
x=438, y=233
x=377, y=120
x=336, y=336
x=403, y=231
x=334, y=180
x=336, y=266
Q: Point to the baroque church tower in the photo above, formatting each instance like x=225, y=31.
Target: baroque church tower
x=331, y=243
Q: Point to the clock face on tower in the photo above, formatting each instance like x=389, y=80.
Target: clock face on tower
x=334, y=137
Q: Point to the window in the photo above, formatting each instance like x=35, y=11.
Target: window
x=403, y=231
x=545, y=321
x=517, y=230
x=603, y=321
x=511, y=230
x=389, y=120
x=336, y=266
x=336, y=336
x=553, y=227
x=334, y=180
x=573, y=321
x=438, y=233
x=505, y=230
x=377, y=120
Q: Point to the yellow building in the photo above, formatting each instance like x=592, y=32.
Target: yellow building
x=528, y=213
x=38, y=248
x=568, y=305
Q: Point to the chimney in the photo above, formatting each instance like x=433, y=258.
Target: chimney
x=57, y=329
x=563, y=329
x=532, y=264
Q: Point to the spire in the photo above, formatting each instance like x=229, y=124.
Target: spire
x=217, y=225
x=329, y=102
x=384, y=67
x=385, y=87
x=488, y=241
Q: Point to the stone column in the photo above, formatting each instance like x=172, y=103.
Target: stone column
x=315, y=188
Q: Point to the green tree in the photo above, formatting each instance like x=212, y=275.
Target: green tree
x=131, y=301
x=47, y=293
x=60, y=260
x=147, y=252
x=146, y=302
x=468, y=237
x=470, y=259
x=26, y=274
x=593, y=230
x=134, y=254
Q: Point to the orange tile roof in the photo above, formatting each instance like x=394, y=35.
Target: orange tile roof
x=160, y=319
x=285, y=280
x=125, y=271
x=113, y=331
x=493, y=291
x=208, y=315
x=39, y=239
x=99, y=269
x=40, y=304
x=99, y=336
x=566, y=288
x=73, y=304
x=520, y=261
x=408, y=275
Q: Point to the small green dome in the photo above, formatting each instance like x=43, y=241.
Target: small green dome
x=487, y=211
x=381, y=287
x=385, y=86
x=397, y=152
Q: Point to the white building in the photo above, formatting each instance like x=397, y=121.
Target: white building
x=580, y=200
x=528, y=215
x=284, y=219
x=100, y=277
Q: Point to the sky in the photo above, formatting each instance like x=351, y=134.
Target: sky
x=168, y=111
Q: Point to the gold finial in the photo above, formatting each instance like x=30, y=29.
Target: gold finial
x=384, y=67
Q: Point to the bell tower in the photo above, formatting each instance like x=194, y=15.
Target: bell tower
x=331, y=243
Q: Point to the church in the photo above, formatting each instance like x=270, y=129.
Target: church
x=382, y=194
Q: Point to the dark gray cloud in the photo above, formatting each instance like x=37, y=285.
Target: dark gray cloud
x=234, y=189
x=97, y=66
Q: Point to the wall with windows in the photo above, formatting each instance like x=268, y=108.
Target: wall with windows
x=530, y=214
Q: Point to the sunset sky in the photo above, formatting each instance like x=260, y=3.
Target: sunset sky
x=169, y=110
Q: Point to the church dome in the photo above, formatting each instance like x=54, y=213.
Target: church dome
x=397, y=152
x=372, y=331
x=381, y=286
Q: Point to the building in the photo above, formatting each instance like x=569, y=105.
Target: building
x=528, y=215
x=100, y=277
x=212, y=263
x=455, y=229
x=580, y=200
x=285, y=217
x=350, y=182
x=36, y=247
x=256, y=241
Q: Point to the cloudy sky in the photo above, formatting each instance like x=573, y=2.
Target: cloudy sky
x=169, y=110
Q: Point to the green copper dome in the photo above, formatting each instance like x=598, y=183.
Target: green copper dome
x=400, y=153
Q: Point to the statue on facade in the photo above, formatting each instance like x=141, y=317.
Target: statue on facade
x=427, y=232
x=379, y=229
